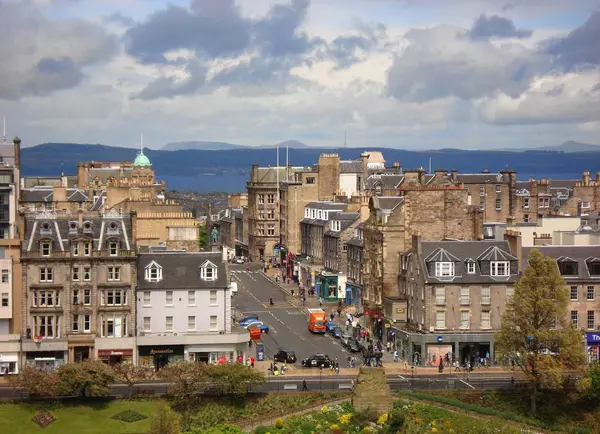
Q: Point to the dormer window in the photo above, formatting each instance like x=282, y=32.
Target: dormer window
x=113, y=248
x=470, y=267
x=153, y=272
x=113, y=228
x=87, y=249
x=73, y=227
x=313, y=213
x=87, y=227
x=320, y=214
x=444, y=269
x=307, y=213
x=208, y=271
x=75, y=249
x=46, y=248
x=336, y=225
x=45, y=229
x=568, y=268
x=500, y=268
x=593, y=265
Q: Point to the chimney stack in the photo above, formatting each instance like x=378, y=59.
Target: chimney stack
x=598, y=178
x=396, y=164
x=17, y=145
x=586, y=179
x=515, y=243
x=453, y=175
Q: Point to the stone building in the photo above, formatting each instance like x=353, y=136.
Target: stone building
x=10, y=252
x=580, y=267
x=354, y=268
x=455, y=293
x=436, y=211
x=78, y=281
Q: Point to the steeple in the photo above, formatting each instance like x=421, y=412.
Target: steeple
x=141, y=159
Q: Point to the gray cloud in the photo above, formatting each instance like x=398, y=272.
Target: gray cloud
x=440, y=63
x=495, y=26
x=169, y=87
x=581, y=47
x=120, y=19
x=213, y=28
x=346, y=50
x=43, y=56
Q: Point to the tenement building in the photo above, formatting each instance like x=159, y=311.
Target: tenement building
x=354, y=268
x=79, y=301
x=184, y=309
x=456, y=292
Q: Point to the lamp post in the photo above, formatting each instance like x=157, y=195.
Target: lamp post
x=321, y=378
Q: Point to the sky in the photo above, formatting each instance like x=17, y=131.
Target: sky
x=410, y=74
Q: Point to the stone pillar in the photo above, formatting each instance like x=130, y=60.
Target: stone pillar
x=456, y=351
x=492, y=355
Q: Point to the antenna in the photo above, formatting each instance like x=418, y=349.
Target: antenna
x=345, y=142
x=142, y=143
x=429, y=164
x=287, y=162
x=4, y=129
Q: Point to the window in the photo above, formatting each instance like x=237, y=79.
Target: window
x=310, y=179
x=270, y=230
x=153, y=272
x=75, y=325
x=213, y=297
x=464, y=319
x=169, y=323
x=440, y=319
x=46, y=248
x=44, y=326
x=585, y=204
x=498, y=188
x=500, y=268
x=574, y=293
x=191, y=323
x=169, y=298
x=260, y=230
x=208, y=272
x=482, y=190
x=113, y=249
x=114, y=274
x=471, y=267
x=3, y=233
x=147, y=324
x=591, y=293
x=344, y=248
x=75, y=274
x=146, y=298
x=113, y=297
x=87, y=323
x=192, y=298
x=45, y=274
x=75, y=249
x=486, y=319
x=526, y=218
x=87, y=249
x=270, y=198
x=114, y=326
x=544, y=202
x=444, y=269
x=482, y=204
x=261, y=198
x=510, y=292
x=320, y=215
x=76, y=296
x=87, y=274
x=87, y=297
x=591, y=320
x=5, y=275
x=465, y=298
x=575, y=318
x=307, y=213
x=213, y=322
x=440, y=296
x=498, y=204
x=313, y=213
x=486, y=295
x=5, y=299
x=525, y=202
x=271, y=214
x=261, y=215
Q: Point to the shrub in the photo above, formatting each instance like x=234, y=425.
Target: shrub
x=365, y=416
x=37, y=382
x=164, y=420
x=129, y=416
x=90, y=376
x=397, y=418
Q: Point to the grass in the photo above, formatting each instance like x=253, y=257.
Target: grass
x=93, y=417
x=562, y=412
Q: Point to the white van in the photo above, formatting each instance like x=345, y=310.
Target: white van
x=233, y=287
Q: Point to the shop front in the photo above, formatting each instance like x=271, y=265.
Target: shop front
x=353, y=294
x=593, y=346
x=217, y=349
x=46, y=360
x=326, y=286
x=9, y=354
x=115, y=357
x=159, y=356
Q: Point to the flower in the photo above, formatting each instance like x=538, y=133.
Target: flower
x=334, y=427
x=382, y=419
x=324, y=409
x=418, y=420
x=345, y=418
x=434, y=429
x=367, y=430
x=279, y=423
x=319, y=426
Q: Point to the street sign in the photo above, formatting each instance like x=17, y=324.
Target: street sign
x=440, y=339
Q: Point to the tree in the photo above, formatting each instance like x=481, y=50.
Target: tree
x=37, y=382
x=164, y=420
x=202, y=237
x=590, y=384
x=130, y=374
x=536, y=332
x=91, y=377
x=235, y=379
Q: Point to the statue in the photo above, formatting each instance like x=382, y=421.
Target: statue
x=214, y=235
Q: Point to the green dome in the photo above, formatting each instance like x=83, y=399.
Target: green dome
x=141, y=160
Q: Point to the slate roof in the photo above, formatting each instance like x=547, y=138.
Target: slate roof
x=346, y=220
x=181, y=270
x=580, y=254
x=463, y=252
x=269, y=174
x=350, y=167
x=326, y=205
x=386, y=180
x=61, y=229
x=479, y=178
x=38, y=194
x=387, y=202
x=104, y=173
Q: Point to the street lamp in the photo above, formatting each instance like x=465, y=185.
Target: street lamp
x=320, y=378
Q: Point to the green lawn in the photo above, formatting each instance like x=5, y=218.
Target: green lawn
x=88, y=418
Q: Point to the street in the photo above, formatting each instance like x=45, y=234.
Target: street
x=286, y=320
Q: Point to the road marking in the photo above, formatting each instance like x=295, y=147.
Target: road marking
x=463, y=381
x=400, y=376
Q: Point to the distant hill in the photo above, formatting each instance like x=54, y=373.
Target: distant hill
x=222, y=146
x=570, y=146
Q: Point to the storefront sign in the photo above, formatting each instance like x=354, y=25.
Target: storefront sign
x=109, y=353
x=440, y=339
x=593, y=337
x=399, y=310
x=387, y=325
x=161, y=351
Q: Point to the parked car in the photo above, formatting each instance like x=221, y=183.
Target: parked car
x=353, y=346
x=255, y=333
x=330, y=325
x=285, y=356
x=245, y=320
x=317, y=361
x=238, y=260
x=337, y=332
x=258, y=324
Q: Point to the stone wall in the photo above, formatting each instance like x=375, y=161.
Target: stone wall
x=329, y=176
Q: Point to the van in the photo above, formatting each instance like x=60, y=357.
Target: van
x=316, y=320
x=233, y=287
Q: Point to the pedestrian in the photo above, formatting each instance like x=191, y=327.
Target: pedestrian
x=331, y=316
x=320, y=302
x=388, y=346
x=395, y=356
x=304, y=386
x=250, y=343
x=252, y=362
x=240, y=359
x=292, y=293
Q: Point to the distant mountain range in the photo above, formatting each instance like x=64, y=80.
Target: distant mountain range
x=570, y=146
x=222, y=146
